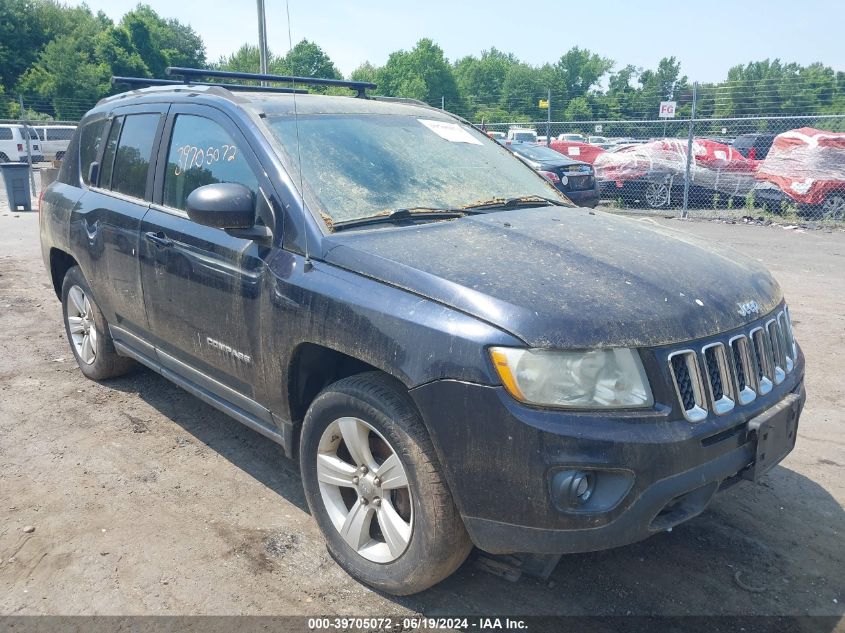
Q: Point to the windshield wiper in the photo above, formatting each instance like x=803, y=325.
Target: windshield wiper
x=513, y=203
x=400, y=215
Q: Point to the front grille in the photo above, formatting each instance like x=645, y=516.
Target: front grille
x=736, y=372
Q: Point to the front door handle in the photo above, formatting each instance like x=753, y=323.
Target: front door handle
x=159, y=239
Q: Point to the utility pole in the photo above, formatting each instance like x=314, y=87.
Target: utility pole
x=689, y=149
x=549, y=120
x=443, y=102
x=262, y=39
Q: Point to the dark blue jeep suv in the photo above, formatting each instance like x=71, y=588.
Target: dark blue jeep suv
x=455, y=354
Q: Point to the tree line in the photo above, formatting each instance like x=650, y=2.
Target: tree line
x=63, y=57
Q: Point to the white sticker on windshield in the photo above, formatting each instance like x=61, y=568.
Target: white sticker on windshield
x=450, y=131
x=573, y=151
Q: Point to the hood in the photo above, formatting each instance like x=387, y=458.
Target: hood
x=566, y=277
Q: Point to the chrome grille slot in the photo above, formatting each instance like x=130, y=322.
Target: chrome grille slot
x=688, y=384
x=727, y=373
x=744, y=371
x=778, y=350
x=763, y=360
x=719, y=382
x=789, y=342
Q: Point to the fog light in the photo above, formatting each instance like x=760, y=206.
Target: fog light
x=572, y=488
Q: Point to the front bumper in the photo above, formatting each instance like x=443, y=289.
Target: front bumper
x=499, y=458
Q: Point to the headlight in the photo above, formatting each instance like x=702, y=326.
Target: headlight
x=610, y=378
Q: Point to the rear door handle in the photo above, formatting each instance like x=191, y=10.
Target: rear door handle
x=159, y=239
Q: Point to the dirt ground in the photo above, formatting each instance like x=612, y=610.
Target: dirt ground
x=146, y=501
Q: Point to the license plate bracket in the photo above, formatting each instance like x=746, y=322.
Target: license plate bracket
x=774, y=433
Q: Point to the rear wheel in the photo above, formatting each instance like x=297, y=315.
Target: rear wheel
x=375, y=488
x=3, y=158
x=87, y=331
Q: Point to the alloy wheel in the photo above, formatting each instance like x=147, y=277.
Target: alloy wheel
x=365, y=489
x=833, y=208
x=657, y=195
x=80, y=320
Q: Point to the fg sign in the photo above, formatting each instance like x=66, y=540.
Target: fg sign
x=667, y=109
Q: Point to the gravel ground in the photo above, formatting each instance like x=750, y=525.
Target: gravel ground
x=144, y=500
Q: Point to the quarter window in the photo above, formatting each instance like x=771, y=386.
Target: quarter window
x=89, y=145
x=202, y=153
x=5, y=134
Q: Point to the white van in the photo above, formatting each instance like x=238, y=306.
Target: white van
x=54, y=139
x=523, y=134
x=13, y=144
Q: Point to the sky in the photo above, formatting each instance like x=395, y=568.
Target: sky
x=707, y=37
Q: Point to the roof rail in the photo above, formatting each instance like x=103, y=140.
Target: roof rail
x=147, y=81
x=358, y=86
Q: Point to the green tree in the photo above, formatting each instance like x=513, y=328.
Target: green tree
x=481, y=80
x=161, y=42
x=306, y=59
x=422, y=73
x=365, y=72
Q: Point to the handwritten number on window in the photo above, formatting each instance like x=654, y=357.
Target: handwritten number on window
x=191, y=156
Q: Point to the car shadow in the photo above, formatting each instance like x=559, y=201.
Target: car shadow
x=773, y=548
x=256, y=455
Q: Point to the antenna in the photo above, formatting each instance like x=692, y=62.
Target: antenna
x=308, y=264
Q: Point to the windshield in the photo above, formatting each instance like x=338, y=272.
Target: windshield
x=358, y=166
x=523, y=136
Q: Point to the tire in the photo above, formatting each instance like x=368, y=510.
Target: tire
x=87, y=331
x=369, y=418
x=3, y=158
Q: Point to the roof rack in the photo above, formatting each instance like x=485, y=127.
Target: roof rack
x=147, y=81
x=186, y=73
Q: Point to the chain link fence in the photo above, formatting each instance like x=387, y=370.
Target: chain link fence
x=791, y=168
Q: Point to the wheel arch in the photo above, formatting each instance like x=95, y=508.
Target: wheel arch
x=60, y=263
x=312, y=368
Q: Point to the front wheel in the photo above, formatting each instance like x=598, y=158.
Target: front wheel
x=833, y=207
x=376, y=489
x=658, y=195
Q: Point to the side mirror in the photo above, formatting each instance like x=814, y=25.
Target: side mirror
x=223, y=205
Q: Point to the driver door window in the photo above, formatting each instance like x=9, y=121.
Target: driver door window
x=202, y=153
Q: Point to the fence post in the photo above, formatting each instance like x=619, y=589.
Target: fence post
x=549, y=120
x=26, y=130
x=689, y=151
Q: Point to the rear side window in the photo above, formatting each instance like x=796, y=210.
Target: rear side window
x=5, y=134
x=132, y=160
x=202, y=153
x=42, y=134
x=89, y=145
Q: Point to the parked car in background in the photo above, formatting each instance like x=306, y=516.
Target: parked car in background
x=13, y=144
x=497, y=136
x=652, y=174
x=54, y=139
x=576, y=150
x=805, y=168
x=577, y=138
x=597, y=140
x=753, y=146
x=522, y=134
x=542, y=139
x=574, y=178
